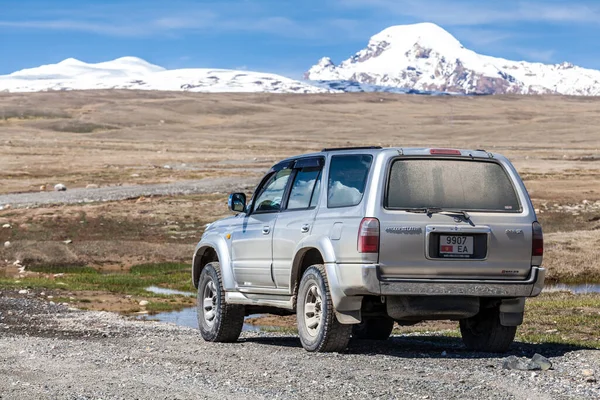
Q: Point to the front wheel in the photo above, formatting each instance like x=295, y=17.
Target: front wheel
x=217, y=320
x=318, y=327
x=484, y=332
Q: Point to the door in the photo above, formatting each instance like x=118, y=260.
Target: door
x=453, y=218
x=252, y=240
x=295, y=221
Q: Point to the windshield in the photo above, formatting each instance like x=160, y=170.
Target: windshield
x=450, y=184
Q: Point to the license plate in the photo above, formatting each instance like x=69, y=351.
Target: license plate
x=456, y=246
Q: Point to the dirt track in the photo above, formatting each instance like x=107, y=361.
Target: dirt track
x=113, y=193
x=47, y=351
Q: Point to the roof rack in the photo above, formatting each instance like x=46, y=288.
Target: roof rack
x=352, y=148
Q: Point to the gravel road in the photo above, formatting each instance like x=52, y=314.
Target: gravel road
x=49, y=351
x=112, y=193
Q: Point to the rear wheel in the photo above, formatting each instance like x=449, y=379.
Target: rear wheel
x=318, y=327
x=217, y=320
x=373, y=329
x=483, y=332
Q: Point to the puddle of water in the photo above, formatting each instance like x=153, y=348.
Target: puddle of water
x=577, y=289
x=188, y=317
x=159, y=290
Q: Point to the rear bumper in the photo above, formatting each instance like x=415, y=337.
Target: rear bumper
x=358, y=280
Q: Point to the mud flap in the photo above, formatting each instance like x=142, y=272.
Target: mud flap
x=511, y=311
x=347, y=308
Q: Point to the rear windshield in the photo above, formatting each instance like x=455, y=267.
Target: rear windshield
x=455, y=184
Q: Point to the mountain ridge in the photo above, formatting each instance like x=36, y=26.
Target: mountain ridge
x=424, y=56
x=136, y=73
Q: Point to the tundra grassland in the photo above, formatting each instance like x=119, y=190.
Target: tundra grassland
x=120, y=138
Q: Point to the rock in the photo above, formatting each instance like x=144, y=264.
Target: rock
x=538, y=362
x=542, y=361
x=135, y=175
x=513, y=362
x=68, y=241
x=589, y=375
x=42, y=188
x=167, y=167
x=23, y=291
x=6, y=207
x=91, y=186
x=7, y=244
x=144, y=303
x=6, y=226
x=59, y=187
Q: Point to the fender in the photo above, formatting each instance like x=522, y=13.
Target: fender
x=220, y=246
x=347, y=309
x=321, y=243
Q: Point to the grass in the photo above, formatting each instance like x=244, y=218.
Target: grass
x=80, y=127
x=60, y=269
x=561, y=317
x=133, y=282
x=157, y=269
x=28, y=113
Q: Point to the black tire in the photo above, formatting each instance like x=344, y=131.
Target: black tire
x=373, y=329
x=329, y=334
x=483, y=332
x=225, y=322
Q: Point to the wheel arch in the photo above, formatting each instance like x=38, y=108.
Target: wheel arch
x=310, y=252
x=215, y=250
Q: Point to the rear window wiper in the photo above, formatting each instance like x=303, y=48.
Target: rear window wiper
x=436, y=210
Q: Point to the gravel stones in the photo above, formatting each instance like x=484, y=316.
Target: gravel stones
x=114, y=193
x=52, y=352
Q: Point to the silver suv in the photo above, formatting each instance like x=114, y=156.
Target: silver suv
x=355, y=239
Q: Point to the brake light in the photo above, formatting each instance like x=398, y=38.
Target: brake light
x=537, y=243
x=446, y=152
x=368, y=236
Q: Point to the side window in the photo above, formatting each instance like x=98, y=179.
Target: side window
x=303, y=188
x=270, y=195
x=347, y=179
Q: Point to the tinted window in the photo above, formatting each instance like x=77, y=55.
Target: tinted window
x=347, y=179
x=302, y=189
x=463, y=185
x=271, y=193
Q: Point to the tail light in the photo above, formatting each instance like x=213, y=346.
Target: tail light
x=537, y=244
x=368, y=236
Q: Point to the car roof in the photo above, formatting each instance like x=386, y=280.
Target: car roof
x=407, y=151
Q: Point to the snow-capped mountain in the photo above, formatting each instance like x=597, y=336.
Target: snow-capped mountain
x=426, y=57
x=135, y=73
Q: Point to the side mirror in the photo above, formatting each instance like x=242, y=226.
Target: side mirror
x=237, y=202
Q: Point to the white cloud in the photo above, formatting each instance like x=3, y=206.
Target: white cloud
x=120, y=20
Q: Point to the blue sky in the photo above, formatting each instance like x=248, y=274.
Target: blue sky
x=282, y=36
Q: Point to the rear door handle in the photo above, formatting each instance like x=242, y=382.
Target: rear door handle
x=305, y=228
x=266, y=230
